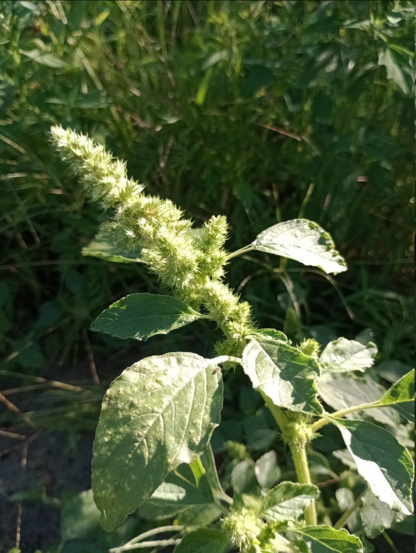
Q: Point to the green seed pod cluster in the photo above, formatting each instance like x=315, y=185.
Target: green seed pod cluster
x=310, y=347
x=188, y=262
x=243, y=527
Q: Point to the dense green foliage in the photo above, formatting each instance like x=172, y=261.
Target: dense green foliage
x=260, y=111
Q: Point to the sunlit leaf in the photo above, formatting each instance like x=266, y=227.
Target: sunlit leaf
x=303, y=241
x=376, y=515
x=402, y=396
x=287, y=501
x=324, y=539
x=283, y=373
x=382, y=461
x=344, y=355
x=158, y=414
x=341, y=392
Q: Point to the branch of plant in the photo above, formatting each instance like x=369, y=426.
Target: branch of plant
x=239, y=252
x=145, y=535
x=390, y=542
x=144, y=545
x=327, y=418
x=344, y=519
x=226, y=359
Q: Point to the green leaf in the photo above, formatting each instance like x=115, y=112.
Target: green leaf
x=262, y=439
x=402, y=396
x=158, y=414
x=324, y=539
x=287, y=501
x=376, y=515
x=341, y=392
x=141, y=316
x=396, y=69
x=178, y=491
x=44, y=58
x=204, y=540
x=200, y=515
x=267, y=470
x=302, y=241
x=243, y=477
x=344, y=355
x=283, y=373
x=103, y=248
x=382, y=461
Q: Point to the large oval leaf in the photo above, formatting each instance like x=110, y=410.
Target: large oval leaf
x=158, y=414
x=141, y=316
x=382, y=461
x=283, y=373
x=324, y=539
x=287, y=501
x=344, y=355
x=302, y=241
x=376, y=515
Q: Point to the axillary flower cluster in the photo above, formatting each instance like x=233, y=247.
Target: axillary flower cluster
x=190, y=262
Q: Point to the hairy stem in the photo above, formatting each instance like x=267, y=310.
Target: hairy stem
x=300, y=460
x=299, y=457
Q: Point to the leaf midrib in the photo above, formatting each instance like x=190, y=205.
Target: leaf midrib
x=160, y=414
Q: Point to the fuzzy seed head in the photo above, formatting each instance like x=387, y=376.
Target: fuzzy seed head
x=310, y=347
x=243, y=527
x=190, y=264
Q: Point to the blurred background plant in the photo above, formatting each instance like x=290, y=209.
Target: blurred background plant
x=261, y=111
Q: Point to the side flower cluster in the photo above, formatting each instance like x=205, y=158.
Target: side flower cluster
x=190, y=262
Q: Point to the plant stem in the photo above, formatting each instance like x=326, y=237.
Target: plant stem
x=153, y=532
x=299, y=457
x=344, y=519
x=390, y=542
x=327, y=419
x=226, y=359
x=146, y=544
x=222, y=496
x=300, y=460
x=276, y=412
x=239, y=252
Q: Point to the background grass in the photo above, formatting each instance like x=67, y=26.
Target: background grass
x=261, y=111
